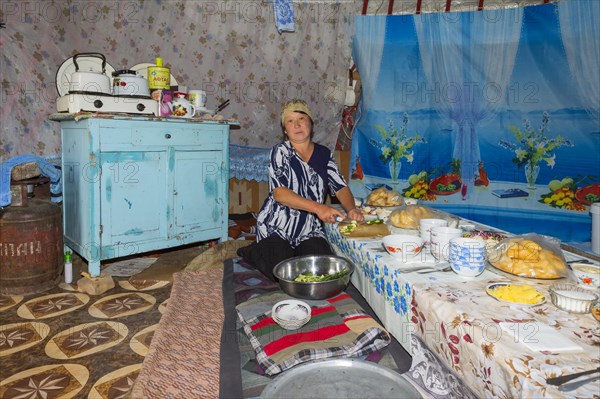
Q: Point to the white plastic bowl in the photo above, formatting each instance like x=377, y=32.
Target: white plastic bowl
x=291, y=314
x=588, y=275
x=403, y=246
x=572, y=298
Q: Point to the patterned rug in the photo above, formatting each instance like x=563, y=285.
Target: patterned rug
x=200, y=349
x=63, y=343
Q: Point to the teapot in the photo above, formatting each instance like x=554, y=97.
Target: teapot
x=90, y=81
x=182, y=108
x=129, y=83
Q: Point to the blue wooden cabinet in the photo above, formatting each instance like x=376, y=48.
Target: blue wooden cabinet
x=137, y=184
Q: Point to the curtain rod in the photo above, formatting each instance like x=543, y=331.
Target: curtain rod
x=321, y=1
x=324, y=1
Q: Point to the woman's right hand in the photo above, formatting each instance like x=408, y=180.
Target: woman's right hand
x=328, y=214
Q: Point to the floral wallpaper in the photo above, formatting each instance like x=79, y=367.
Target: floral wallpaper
x=231, y=49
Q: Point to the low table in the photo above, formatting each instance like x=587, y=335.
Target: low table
x=458, y=324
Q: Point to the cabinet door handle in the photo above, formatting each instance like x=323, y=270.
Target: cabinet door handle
x=168, y=135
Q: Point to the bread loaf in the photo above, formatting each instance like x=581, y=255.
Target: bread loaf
x=384, y=197
x=410, y=216
x=529, y=259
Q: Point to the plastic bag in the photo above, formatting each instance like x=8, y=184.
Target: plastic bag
x=409, y=216
x=95, y=285
x=384, y=197
x=530, y=255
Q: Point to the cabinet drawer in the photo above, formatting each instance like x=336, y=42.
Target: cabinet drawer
x=171, y=136
x=165, y=134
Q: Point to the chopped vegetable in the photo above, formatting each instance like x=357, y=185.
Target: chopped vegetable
x=312, y=278
x=349, y=228
x=592, y=197
x=354, y=224
x=449, y=187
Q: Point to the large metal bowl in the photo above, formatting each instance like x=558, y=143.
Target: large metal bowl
x=289, y=269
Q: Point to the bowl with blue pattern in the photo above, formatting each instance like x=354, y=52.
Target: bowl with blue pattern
x=467, y=256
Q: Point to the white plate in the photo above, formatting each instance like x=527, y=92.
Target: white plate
x=86, y=63
x=204, y=110
x=143, y=70
x=492, y=286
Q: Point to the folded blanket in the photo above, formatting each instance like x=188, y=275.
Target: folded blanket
x=338, y=327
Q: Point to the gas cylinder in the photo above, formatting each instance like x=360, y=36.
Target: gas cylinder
x=31, y=247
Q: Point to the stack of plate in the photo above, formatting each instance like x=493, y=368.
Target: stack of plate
x=291, y=314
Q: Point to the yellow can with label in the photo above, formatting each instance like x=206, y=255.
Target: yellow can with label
x=159, y=77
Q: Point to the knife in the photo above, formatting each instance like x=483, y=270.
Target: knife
x=565, y=378
x=576, y=384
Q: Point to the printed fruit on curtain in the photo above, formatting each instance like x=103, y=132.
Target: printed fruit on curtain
x=418, y=187
x=562, y=195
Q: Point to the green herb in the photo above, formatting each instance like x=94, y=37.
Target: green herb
x=449, y=187
x=592, y=197
x=312, y=278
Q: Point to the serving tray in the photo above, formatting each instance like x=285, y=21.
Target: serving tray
x=339, y=378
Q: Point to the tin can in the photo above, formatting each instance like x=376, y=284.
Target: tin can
x=159, y=77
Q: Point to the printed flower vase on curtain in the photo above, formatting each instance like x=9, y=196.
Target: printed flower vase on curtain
x=531, y=174
x=395, y=145
x=533, y=146
x=395, y=167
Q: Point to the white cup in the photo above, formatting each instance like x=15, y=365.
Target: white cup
x=440, y=241
x=197, y=98
x=425, y=226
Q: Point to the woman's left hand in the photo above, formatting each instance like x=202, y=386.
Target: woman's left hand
x=356, y=214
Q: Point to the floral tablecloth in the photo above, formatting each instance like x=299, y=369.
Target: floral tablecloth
x=459, y=323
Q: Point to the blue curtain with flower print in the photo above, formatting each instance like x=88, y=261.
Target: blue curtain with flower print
x=491, y=115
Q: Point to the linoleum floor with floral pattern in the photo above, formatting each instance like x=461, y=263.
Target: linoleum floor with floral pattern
x=67, y=344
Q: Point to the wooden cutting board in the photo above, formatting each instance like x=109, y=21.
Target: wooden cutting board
x=364, y=230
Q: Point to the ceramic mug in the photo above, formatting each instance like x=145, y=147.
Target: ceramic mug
x=197, y=98
x=440, y=241
x=425, y=226
x=182, y=109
